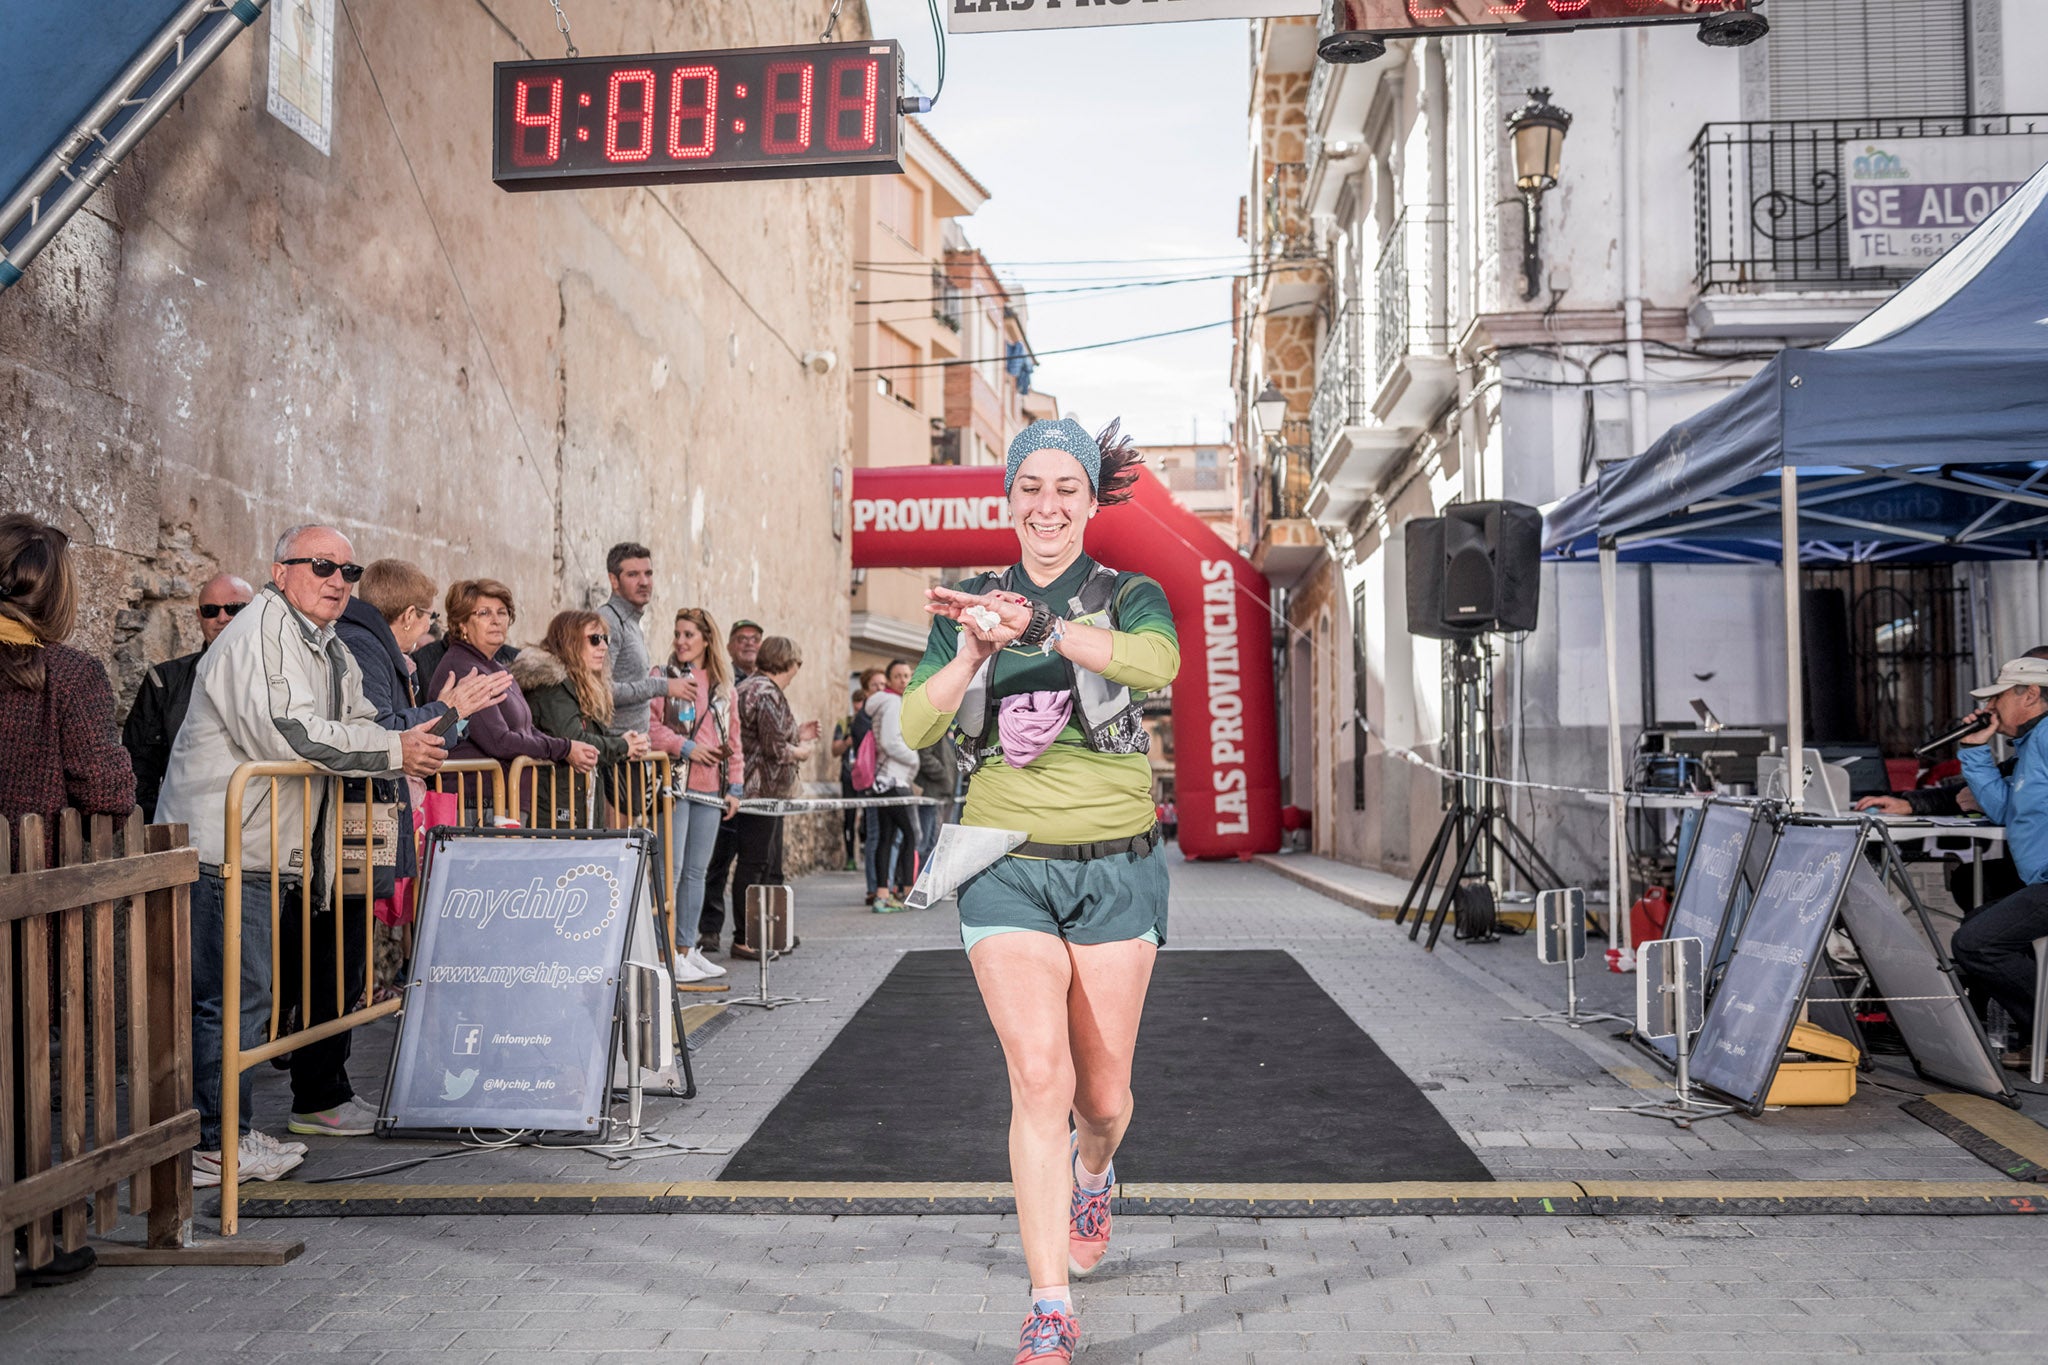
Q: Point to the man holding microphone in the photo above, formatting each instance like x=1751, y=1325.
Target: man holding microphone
x=1994, y=948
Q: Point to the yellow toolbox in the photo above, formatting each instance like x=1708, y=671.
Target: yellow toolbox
x=1818, y=1068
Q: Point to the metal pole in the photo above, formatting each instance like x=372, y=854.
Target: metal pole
x=1617, y=873
x=1795, y=700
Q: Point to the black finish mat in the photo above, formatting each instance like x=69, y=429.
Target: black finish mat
x=1246, y=1071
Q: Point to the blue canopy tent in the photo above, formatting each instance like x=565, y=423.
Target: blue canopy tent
x=80, y=83
x=1920, y=433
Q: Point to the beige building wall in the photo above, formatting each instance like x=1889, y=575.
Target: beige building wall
x=900, y=240
x=1203, y=479
x=241, y=333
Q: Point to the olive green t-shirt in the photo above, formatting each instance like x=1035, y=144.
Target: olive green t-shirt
x=1069, y=794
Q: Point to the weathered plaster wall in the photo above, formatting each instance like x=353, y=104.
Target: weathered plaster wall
x=242, y=333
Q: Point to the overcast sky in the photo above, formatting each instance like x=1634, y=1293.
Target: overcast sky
x=1126, y=143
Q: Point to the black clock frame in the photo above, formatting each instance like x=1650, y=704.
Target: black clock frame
x=747, y=162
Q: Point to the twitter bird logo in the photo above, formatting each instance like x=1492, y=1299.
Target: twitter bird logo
x=454, y=1087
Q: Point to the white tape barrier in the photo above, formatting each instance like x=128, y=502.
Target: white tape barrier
x=805, y=805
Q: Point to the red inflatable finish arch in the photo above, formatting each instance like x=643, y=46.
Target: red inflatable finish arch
x=1225, y=755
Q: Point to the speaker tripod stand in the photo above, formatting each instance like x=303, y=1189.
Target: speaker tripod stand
x=1476, y=835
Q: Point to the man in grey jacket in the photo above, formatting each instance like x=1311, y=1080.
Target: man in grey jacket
x=630, y=567
x=277, y=686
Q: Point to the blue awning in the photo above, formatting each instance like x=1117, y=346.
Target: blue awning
x=1950, y=372
x=55, y=61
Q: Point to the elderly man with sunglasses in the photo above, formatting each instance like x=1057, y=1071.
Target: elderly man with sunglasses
x=278, y=685
x=167, y=690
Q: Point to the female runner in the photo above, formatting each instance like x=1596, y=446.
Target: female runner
x=1042, y=668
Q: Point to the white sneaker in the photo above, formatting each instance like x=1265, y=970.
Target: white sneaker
x=683, y=969
x=265, y=1142
x=253, y=1161
x=706, y=968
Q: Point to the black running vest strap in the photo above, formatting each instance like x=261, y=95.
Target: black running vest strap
x=1111, y=719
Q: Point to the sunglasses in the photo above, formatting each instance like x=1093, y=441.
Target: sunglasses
x=324, y=568
x=209, y=610
x=599, y=639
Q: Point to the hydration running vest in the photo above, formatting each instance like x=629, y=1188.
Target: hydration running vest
x=1111, y=719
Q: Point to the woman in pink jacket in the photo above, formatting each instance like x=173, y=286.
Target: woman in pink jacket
x=702, y=735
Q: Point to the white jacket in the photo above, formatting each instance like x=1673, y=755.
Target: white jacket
x=273, y=688
x=895, y=760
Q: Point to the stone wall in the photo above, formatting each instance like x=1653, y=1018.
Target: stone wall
x=242, y=333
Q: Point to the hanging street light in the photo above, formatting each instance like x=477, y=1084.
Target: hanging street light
x=1536, y=131
x=1269, y=409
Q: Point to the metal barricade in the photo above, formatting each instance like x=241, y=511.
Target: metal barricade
x=631, y=794
x=339, y=847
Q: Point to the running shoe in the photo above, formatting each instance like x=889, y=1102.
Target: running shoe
x=265, y=1142
x=352, y=1118
x=1050, y=1335
x=886, y=905
x=253, y=1161
x=683, y=969
x=706, y=968
x=1088, y=1227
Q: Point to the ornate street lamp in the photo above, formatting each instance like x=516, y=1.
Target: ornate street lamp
x=1537, y=132
x=1269, y=409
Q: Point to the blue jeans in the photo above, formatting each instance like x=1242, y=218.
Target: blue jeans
x=929, y=818
x=696, y=835
x=209, y=929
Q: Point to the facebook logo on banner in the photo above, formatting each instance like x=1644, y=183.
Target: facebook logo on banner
x=468, y=1040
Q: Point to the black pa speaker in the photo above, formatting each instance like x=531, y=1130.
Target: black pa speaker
x=1473, y=569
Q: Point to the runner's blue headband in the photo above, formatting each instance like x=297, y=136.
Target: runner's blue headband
x=1065, y=434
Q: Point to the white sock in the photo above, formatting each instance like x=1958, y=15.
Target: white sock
x=1055, y=1293
x=1092, y=1181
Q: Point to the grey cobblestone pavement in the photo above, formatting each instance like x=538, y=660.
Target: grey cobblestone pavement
x=770, y=1288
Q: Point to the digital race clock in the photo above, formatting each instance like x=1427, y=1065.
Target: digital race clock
x=1403, y=18
x=756, y=113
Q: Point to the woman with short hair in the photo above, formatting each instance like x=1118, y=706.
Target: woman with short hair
x=480, y=615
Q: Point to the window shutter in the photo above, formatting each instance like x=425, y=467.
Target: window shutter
x=1845, y=59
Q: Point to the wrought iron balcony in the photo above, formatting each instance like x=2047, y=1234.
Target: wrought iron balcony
x=1768, y=207
x=1283, y=217
x=1409, y=316
x=1343, y=396
x=1287, y=480
x=945, y=299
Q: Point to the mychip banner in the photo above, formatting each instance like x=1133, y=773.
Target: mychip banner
x=1911, y=198
x=508, y=1018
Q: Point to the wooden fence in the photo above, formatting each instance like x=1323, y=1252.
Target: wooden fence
x=95, y=955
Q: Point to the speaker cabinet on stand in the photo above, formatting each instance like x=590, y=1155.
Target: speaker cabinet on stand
x=1471, y=571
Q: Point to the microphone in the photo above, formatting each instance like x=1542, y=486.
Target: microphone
x=1974, y=721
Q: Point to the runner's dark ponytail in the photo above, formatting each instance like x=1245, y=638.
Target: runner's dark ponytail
x=1120, y=461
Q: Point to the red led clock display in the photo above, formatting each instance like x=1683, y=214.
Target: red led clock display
x=1395, y=18
x=758, y=113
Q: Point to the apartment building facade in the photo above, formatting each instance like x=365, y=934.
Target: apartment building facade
x=1430, y=351
x=942, y=362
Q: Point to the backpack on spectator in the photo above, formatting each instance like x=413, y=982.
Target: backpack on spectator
x=865, y=753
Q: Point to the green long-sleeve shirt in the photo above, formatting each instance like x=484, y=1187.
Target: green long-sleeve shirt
x=1069, y=794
